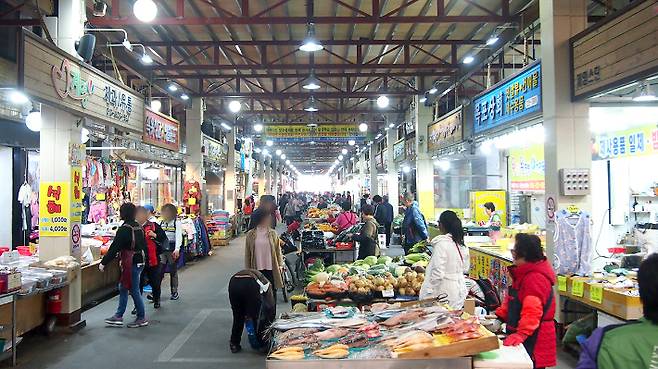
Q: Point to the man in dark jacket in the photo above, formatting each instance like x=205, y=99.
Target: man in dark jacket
x=384, y=215
x=413, y=226
x=129, y=245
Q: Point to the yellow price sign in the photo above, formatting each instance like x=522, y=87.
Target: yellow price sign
x=577, y=287
x=573, y=209
x=596, y=293
x=562, y=283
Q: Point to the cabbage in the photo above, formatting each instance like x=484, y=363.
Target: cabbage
x=384, y=260
x=370, y=260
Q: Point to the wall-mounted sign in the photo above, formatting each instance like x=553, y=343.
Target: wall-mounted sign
x=514, y=98
x=52, y=76
x=161, y=130
x=638, y=141
x=299, y=131
x=527, y=168
x=618, y=51
x=398, y=151
x=214, y=150
x=448, y=130
x=54, y=209
x=379, y=162
x=410, y=148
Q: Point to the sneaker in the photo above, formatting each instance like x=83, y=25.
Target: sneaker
x=174, y=296
x=156, y=304
x=149, y=297
x=235, y=348
x=138, y=323
x=114, y=321
x=134, y=312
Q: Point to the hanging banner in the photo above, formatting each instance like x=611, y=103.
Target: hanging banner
x=638, y=141
x=161, y=130
x=620, y=50
x=76, y=195
x=484, y=265
x=448, y=130
x=300, y=131
x=213, y=149
x=514, y=98
x=398, y=151
x=479, y=198
x=52, y=76
x=54, y=209
x=410, y=148
x=527, y=168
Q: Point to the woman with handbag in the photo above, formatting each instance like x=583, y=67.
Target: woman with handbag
x=129, y=245
x=262, y=249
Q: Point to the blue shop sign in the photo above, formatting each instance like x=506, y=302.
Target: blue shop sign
x=518, y=97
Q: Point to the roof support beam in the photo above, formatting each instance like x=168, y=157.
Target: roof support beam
x=359, y=42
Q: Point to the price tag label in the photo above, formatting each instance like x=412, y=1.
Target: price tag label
x=562, y=283
x=100, y=197
x=191, y=201
x=596, y=293
x=573, y=208
x=577, y=287
x=387, y=293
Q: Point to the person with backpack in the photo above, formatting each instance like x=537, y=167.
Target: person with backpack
x=171, y=249
x=345, y=219
x=368, y=237
x=252, y=302
x=155, y=238
x=413, y=226
x=444, y=275
x=631, y=345
x=129, y=245
x=529, y=308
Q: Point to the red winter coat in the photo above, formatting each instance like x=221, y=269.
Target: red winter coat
x=535, y=282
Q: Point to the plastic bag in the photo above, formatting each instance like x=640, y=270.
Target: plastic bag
x=87, y=257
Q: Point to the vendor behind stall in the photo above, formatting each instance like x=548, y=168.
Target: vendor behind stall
x=632, y=345
x=494, y=222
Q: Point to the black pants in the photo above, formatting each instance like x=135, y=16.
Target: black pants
x=151, y=275
x=387, y=230
x=244, y=295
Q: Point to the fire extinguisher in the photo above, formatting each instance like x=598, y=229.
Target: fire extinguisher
x=54, y=305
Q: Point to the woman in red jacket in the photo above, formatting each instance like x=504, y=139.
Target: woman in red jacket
x=529, y=309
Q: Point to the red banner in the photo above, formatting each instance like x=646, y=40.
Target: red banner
x=161, y=130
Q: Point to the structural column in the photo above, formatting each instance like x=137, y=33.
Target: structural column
x=193, y=143
x=373, y=170
x=424, y=163
x=261, y=175
x=566, y=124
x=268, y=176
x=59, y=130
x=392, y=174
x=229, y=174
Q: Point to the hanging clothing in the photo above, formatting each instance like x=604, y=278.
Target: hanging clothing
x=25, y=198
x=573, y=243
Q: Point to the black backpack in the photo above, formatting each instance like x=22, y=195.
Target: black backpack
x=489, y=298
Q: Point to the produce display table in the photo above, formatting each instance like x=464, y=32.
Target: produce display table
x=336, y=256
x=611, y=301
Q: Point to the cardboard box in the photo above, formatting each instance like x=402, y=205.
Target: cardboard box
x=614, y=302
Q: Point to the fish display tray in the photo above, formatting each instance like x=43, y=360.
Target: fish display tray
x=446, y=363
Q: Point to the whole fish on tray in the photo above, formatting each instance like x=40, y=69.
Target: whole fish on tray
x=404, y=317
x=355, y=339
x=332, y=333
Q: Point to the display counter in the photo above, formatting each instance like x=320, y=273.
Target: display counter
x=30, y=314
x=624, y=304
x=97, y=285
x=491, y=262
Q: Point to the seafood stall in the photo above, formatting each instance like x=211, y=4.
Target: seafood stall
x=419, y=334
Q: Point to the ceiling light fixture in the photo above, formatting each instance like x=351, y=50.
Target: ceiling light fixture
x=225, y=126
x=172, y=87
x=258, y=127
x=312, y=82
x=184, y=97
x=283, y=156
x=310, y=43
x=278, y=152
x=391, y=125
x=433, y=90
x=156, y=105
x=343, y=151
x=310, y=107
x=145, y=10
x=288, y=162
x=146, y=58
x=33, y=120
x=351, y=142
x=422, y=99
x=234, y=106
x=363, y=127
x=382, y=101
x=340, y=157
x=269, y=143
x=492, y=40
x=18, y=97
x=468, y=59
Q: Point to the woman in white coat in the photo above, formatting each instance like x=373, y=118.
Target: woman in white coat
x=444, y=276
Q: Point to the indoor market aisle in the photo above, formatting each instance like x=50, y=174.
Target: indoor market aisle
x=191, y=332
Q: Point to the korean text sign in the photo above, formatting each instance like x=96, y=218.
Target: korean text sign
x=76, y=195
x=161, y=130
x=638, y=141
x=527, y=168
x=518, y=97
x=54, y=209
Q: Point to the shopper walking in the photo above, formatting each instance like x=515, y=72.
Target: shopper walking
x=444, y=276
x=414, y=226
x=529, y=308
x=155, y=239
x=345, y=219
x=171, y=249
x=262, y=250
x=384, y=215
x=266, y=206
x=631, y=345
x=252, y=301
x=368, y=237
x=129, y=245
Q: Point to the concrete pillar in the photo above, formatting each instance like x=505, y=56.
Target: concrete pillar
x=70, y=25
x=59, y=129
x=392, y=174
x=193, y=143
x=268, y=175
x=229, y=174
x=373, y=170
x=424, y=163
x=261, y=176
x=566, y=123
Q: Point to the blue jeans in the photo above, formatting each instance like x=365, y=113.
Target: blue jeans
x=134, y=292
